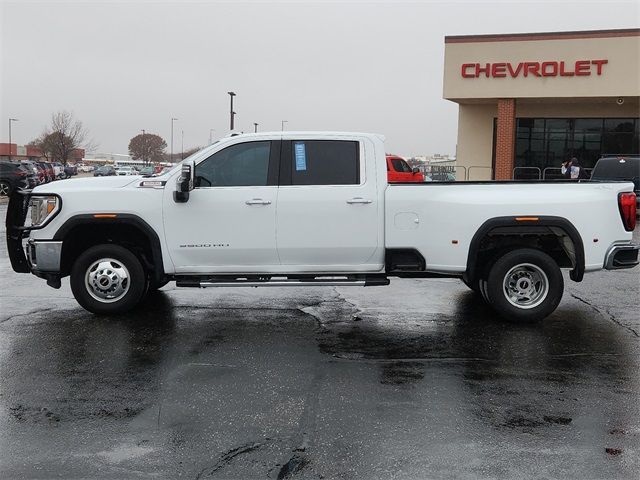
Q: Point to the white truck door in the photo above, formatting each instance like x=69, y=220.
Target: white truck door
x=228, y=223
x=328, y=212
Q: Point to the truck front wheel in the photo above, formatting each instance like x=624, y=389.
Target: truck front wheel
x=108, y=279
x=524, y=285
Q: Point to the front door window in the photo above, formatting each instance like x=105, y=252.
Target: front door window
x=242, y=165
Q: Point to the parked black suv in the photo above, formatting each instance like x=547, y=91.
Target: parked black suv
x=620, y=168
x=13, y=175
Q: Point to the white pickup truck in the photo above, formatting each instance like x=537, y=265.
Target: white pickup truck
x=276, y=209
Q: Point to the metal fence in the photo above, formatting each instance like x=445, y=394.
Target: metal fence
x=479, y=172
x=460, y=173
x=555, y=173
x=526, y=173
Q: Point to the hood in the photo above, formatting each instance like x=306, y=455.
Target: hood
x=87, y=183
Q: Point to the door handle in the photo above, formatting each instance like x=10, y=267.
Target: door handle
x=258, y=201
x=358, y=200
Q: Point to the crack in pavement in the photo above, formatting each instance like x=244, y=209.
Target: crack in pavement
x=357, y=310
x=308, y=418
x=33, y=312
x=197, y=307
x=605, y=313
x=228, y=456
x=319, y=318
x=294, y=465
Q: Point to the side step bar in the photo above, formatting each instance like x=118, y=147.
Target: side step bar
x=282, y=281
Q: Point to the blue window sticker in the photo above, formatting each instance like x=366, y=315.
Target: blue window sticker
x=301, y=156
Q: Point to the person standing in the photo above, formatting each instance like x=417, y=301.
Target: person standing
x=572, y=169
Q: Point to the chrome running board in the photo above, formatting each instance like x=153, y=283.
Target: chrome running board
x=275, y=281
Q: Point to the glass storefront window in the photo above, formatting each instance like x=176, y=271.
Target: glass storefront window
x=587, y=140
x=547, y=142
x=619, y=135
x=557, y=132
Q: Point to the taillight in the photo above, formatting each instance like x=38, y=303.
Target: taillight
x=627, y=205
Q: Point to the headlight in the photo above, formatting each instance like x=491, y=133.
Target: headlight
x=43, y=208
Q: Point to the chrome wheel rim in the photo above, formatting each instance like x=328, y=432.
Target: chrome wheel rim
x=525, y=286
x=4, y=189
x=107, y=280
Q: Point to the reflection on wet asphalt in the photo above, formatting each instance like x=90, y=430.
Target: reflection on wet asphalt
x=417, y=380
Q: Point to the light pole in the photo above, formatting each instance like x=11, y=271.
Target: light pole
x=144, y=149
x=182, y=147
x=232, y=113
x=255, y=127
x=10, y=147
x=283, y=122
x=211, y=130
x=172, y=120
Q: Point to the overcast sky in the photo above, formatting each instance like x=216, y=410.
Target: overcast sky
x=359, y=66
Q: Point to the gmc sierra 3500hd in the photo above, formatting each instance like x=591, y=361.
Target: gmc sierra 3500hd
x=306, y=208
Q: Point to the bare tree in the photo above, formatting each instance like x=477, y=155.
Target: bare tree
x=64, y=135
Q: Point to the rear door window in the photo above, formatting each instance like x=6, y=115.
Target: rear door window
x=325, y=162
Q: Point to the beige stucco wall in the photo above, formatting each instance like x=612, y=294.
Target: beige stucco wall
x=475, y=140
x=620, y=76
x=475, y=124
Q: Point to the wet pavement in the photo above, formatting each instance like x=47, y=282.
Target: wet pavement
x=416, y=380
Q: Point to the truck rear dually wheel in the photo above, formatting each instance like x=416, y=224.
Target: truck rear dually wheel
x=108, y=279
x=524, y=285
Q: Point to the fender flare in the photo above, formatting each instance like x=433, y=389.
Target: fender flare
x=576, y=274
x=119, y=219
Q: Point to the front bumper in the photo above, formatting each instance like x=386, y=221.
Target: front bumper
x=16, y=215
x=622, y=256
x=39, y=255
x=44, y=256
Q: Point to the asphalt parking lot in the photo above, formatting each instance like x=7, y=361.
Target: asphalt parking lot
x=416, y=380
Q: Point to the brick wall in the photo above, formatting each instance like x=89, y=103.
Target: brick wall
x=4, y=149
x=505, y=138
x=33, y=151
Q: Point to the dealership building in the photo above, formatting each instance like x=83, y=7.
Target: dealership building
x=528, y=102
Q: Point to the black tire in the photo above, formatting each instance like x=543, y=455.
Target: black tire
x=473, y=286
x=125, y=265
x=153, y=286
x=5, y=188
x=524, y=285
x=482, y=288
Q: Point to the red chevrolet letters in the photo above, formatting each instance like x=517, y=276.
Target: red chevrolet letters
x=535, y=69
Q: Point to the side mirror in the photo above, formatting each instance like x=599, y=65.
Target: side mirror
x=185, y=183
x=415, y=170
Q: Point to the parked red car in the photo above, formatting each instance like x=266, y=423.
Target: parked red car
x=398, y=170
x=49, y=173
